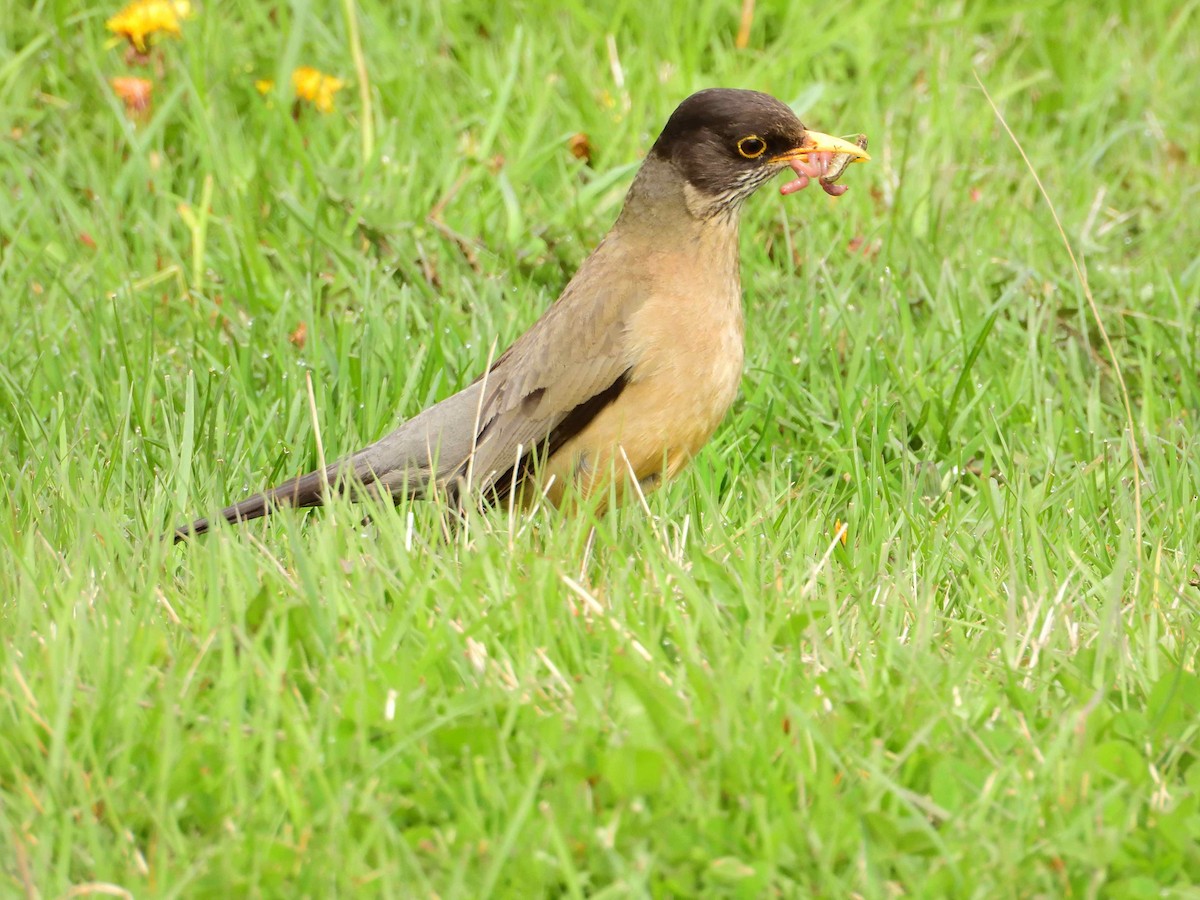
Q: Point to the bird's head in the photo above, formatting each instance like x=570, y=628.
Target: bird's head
x=726, y=143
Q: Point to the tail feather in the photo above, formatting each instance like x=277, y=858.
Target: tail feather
x=305, y=490
x=402, y=462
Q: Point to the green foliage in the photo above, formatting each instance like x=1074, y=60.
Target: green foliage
x=989, y=689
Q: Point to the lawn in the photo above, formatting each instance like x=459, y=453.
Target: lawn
x=920, y=621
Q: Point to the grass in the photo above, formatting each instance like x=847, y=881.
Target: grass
x=989, y=689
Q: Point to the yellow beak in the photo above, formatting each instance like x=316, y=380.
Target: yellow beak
x=815, y=142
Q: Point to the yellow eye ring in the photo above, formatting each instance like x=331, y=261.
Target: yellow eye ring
x=752, y=146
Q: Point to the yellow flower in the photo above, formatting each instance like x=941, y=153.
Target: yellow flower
x=840, y=530
x=264, y=85
x=142, y=18
x=316, y=87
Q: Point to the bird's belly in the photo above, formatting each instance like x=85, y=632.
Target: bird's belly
x=677, y=396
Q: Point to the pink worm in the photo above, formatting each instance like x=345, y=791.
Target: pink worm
x=816, y=165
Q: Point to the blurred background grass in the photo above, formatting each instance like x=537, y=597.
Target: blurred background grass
x=989, y=689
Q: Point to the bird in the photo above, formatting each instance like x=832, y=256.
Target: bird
x=630, y=371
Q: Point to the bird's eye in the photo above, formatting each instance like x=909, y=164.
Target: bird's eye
x=752, y=146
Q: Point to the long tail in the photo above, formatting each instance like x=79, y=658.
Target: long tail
x=305, y=490
x=400, y=462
